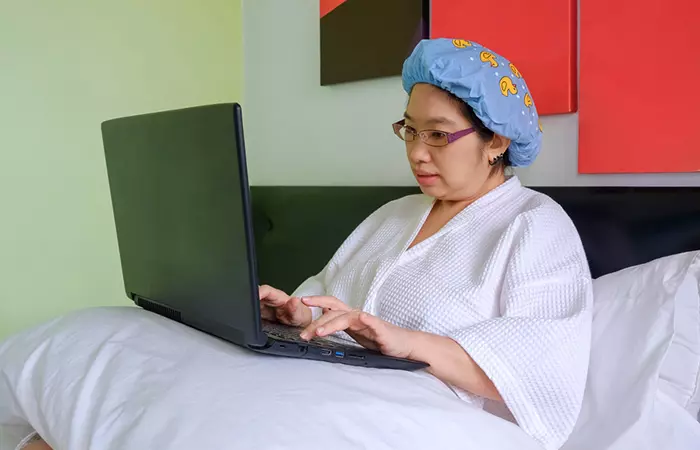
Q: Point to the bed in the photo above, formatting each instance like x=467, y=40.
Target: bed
x=123, y=378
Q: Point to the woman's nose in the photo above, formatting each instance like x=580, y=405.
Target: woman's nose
x=418, y=152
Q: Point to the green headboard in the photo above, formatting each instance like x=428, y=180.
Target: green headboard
x=298, y=229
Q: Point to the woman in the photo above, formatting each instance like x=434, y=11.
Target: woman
x=481, y=278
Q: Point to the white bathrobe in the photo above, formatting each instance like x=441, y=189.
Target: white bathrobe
x=507, y=278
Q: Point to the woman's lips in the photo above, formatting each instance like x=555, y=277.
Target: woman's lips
x=426, y=178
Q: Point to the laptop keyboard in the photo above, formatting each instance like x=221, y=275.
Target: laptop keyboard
x=291, y=334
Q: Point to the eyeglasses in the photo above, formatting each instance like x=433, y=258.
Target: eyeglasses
x=434, y=138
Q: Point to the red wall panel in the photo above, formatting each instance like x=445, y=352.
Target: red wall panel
x=538, y=36
x=639, y=86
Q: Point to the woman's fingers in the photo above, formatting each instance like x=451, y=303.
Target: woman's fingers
x=270, y=300
x=268, y=313
x=318, y=324
x=289, y=309
x=339, y=323
x=37, y=445
x=272, y=297
x=326, y=302
x=366, y=329
x=264, y=290
x=350, y=321
x=371, y=321
x=293, y=304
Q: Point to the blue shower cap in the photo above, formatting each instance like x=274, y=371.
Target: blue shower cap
x=487, y=82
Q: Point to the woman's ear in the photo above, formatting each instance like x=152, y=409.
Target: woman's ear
x=498, y=146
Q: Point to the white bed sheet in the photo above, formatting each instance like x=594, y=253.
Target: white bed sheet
x=122, y=378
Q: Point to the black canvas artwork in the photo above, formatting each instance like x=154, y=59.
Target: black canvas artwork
x=364, y=39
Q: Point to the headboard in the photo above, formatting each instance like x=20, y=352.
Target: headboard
x=297, y=229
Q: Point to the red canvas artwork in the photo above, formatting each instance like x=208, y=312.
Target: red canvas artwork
x=329, y=5
x=538, y=36
x=640, y=100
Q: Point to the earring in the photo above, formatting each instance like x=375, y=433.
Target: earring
x=496, y=159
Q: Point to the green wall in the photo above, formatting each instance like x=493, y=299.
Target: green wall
x=65, y=66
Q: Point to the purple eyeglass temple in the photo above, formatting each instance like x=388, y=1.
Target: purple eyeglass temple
x=451, y=137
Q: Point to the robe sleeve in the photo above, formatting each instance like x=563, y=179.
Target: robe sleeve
x=537, y=351
x=312, y=286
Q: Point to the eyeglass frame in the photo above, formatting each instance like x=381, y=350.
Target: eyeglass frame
x=451, y=137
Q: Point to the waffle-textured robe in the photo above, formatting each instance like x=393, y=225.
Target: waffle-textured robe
x=507, y=278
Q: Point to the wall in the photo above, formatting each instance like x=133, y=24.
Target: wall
x=298, y=132
x=67, y=66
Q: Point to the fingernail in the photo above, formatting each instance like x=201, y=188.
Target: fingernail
x=304, y=335
x=320, y=331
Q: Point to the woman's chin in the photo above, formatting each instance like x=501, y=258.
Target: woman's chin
x=432, y=191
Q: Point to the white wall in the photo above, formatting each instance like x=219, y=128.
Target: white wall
x=300, y=133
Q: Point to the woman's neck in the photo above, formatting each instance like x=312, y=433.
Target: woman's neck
x=454, y=207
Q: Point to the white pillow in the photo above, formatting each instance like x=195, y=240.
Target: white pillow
x=123, y=378
x=680, y=372
x=632, y=334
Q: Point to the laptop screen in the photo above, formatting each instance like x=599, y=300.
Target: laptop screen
x=179, y=192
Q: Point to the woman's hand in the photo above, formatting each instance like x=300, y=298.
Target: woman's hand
x=276, y=306
x=368, y=330
x=37, y=445
x=447, y=360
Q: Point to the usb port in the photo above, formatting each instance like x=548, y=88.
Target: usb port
x=326, y=352
x=339, y=354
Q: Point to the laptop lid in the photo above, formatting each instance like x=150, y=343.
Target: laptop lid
x=180, y=195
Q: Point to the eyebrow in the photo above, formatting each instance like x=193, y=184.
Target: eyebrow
x=433, y=120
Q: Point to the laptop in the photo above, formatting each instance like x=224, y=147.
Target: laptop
x=182, y=208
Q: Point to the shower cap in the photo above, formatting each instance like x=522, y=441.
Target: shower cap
x=487, y=82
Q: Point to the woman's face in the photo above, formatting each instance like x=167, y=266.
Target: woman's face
x=458, y=171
